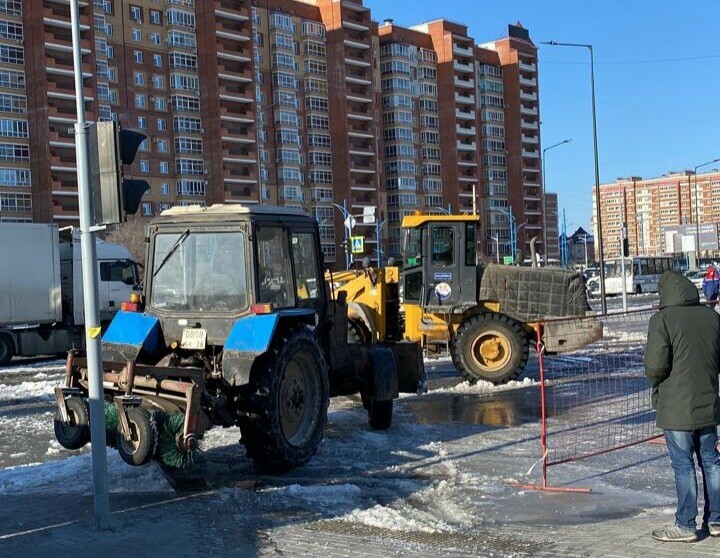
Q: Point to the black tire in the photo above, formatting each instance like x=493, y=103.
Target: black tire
x=358, y=333
x=505, y=343
x=638, y=289
x=76, y=433
x=141, y=448
x=288, y=401
x=7, y=349
x=380, y=414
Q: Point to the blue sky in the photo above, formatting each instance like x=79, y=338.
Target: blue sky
x=657, y=72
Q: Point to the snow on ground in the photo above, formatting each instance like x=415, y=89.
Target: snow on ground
x=74, y=474
x=42, y=389
x=483, y=387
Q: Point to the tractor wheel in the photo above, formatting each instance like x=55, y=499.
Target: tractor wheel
x=7, y=349
x=74, y=434
x=144, y=437
x=379, y=413
x=490, y=347
x=289, y=401
x=358, y=333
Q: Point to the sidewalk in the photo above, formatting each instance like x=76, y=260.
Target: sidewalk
x=230, y=522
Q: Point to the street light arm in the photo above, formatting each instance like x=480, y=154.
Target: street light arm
x=555, y=43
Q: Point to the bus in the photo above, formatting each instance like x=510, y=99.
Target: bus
x=642, y=274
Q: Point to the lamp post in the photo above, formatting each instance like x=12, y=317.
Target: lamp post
x=378, y=240
x=348, y=224
x=513, y=229
x=697, y=222
x=544, y=208
x=603, y=300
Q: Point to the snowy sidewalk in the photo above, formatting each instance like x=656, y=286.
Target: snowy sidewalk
x=233, y=523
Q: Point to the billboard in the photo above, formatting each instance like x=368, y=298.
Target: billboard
x=681, y=238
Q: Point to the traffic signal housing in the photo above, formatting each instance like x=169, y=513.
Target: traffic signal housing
x=114, y=197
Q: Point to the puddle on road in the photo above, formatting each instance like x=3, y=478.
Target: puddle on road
x=506, y=409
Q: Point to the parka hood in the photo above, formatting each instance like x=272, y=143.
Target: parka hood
x=676, y=290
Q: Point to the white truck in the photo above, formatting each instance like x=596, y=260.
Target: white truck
x=41, y=292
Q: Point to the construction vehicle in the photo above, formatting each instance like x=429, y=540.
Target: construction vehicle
x=234, y=327
x=41, y=307
x=486, y=317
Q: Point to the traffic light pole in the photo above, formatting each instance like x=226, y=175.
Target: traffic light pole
x=90, y=290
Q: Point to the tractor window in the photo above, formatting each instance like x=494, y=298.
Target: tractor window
x=470, y=244
x=306, y=268
x=274, y=268
x=442, y=246
x=412, y=247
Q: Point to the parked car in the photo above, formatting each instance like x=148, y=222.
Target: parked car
x=697, y=278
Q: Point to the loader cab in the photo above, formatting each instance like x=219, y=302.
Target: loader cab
x=440, y=260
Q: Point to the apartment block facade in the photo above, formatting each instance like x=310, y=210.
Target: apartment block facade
x=304, y=103
x=650, y=206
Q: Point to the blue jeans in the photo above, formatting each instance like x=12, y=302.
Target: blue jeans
x=681, y=447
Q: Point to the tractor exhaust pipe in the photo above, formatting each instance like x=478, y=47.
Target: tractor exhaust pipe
x=533, y=251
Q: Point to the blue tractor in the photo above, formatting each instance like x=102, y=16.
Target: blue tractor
x=235, y=326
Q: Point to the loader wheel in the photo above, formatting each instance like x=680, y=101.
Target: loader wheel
x=379, y=413
x=358, y=333
x=74, y=434
x=140, y=449
x=289, y=402
x=7, y=349
x=490, y=347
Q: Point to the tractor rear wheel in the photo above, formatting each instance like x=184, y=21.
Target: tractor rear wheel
x=490, y=347
x=288, y=401
x=75, y=433
x=141, y=447
x=379, y=413
x=7, y=349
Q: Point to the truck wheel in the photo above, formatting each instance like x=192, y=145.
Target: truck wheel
x=74, y=434
x=490, y=347
x=289, y=401
x=144, y=437
x=7, y=349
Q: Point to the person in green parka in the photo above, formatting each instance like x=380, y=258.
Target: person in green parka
x=682, y=361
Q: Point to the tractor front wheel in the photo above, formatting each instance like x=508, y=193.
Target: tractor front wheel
x=75, y=433
x=490, y=347
x=288, y=402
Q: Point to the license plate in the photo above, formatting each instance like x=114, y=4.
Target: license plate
x=193, y=339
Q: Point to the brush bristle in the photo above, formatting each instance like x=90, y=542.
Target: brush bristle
x=171, y=430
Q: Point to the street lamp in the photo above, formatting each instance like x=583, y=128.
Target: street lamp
x=513, y=229
x=603, y=300
x=697, y=222
x=544, y=208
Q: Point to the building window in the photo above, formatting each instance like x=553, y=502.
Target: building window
x=183, y=61
x=190, y=187
x=11, y=30
x=14, y=153
x=12, y=79
x=164, y=167
x=142, y=122
x=144, y=165
x=189, y=145
x=159, y=103
x=282, y=21
x=161, y=125
x=147, y=209
x=11, y=54
x=140, y=100
x=139, y=78
x=163, y=146
x=137, y=35
x=180, y=18
x=144, y=146
x=15, y=203
x=13, y=128
x=136, y=13
x=158, y=82
x=138, y=56
x=313, y=29
x=155, y=38
x=155, y=17
x=189, y=166
x=14, y=177
x=165, y=189
x=157, y=60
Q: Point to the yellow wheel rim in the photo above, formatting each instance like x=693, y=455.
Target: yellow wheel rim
x=491, y=350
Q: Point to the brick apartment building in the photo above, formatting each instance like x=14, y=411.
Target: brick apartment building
x=552, y=224
x=306, y=103
x=651, y=206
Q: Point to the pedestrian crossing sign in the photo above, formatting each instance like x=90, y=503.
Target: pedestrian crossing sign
x=357, y=244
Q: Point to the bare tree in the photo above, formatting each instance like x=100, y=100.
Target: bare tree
x=131, y=234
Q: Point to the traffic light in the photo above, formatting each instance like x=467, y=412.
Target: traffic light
x=113, y=196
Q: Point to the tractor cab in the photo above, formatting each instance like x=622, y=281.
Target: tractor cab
x=440, y=260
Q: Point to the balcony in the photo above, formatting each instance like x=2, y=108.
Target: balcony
x=466, y=146
x=528, y=96
x=466, y=163
x=358, y=62
x=461, y=50
x=463, y=67
x=356, y=44
x=464, y=114
x=531, y=154
x=531, y=111
x=464, y=83
x=355, y=26
x=530, y=139
x=530, y=82
x=228, y=9
x=356, y=79
x=471, y=131
x=527, y=66
x=528, y=125
x=226, y=53
x=464, y=99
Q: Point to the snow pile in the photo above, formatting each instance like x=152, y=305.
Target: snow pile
x=44, y=366
x=337, y=498
x=481, y=386
x=74, y=474
x=44, y=389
